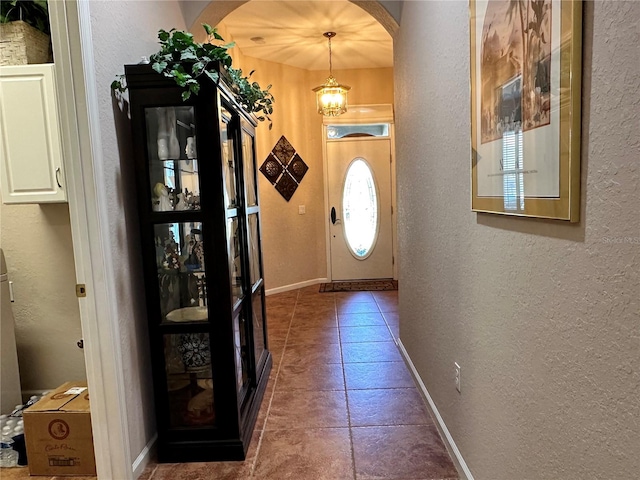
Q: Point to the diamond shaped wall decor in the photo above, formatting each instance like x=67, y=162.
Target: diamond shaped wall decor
x=284, y=168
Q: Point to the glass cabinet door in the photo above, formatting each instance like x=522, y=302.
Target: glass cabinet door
x=255, y=273
x=240, y=341
x=181, y=272
x=189, y=380
x=235, y=259
x=259, y=343
x=249, y=167
x=228, y=159
x=173, y=159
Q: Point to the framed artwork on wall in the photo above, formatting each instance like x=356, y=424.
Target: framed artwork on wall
x=525, y=107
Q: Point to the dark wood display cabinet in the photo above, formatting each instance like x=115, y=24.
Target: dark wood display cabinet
x=200, y=232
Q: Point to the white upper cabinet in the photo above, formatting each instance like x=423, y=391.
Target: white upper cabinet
x=31, y=160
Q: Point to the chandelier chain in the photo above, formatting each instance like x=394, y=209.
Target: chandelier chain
x=330, y=61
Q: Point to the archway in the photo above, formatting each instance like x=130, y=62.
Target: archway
x=216, y=10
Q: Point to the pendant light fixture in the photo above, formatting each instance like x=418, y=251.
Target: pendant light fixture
x=331, y=97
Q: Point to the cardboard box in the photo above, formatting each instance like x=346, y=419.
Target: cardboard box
x=58, y=434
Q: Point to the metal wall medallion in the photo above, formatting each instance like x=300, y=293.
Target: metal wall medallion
x=271, y=168
x=286, y=186
x=297, y=168
x=283, y=150
x=284, y=168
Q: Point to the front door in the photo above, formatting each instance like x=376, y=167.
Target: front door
x=359, y=174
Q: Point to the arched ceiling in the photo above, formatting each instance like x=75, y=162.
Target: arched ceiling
x=290, y=32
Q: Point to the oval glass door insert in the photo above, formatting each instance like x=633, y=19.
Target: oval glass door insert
x=360, y=209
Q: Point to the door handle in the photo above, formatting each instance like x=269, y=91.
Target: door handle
x=334, y=220
x=58, y=177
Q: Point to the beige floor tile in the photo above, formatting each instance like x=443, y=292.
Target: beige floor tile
x=148, y=471
x=361, y=299
x=392, y=318
x=310, y=377
x=315, y=311
x=315, y=319
x=363, y=376
x=370, y=352
x=354, y=297
x=306, y=335
x=278, y=333
x=316, y=300
x=315, y=454
x=406, y=451
x=360, y=319
x=58, y=477
x=203, y=471
x=385, y=295
x=312, y=290
x=387, y=406
x=19, y=473
x=284, y=298
x=387, y=305
x=313, y=353
x=367, y=307
x=371, y=333
x=307, y=409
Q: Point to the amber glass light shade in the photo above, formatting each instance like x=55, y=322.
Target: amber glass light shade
x=331, y=98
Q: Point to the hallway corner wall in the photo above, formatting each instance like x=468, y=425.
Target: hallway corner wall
x=121, y=34
x=542, y=316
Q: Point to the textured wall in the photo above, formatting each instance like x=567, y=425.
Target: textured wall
x=37, y=244
x=543, y=317
x=122, y=33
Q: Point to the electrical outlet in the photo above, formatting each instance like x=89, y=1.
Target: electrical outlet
x=301, y=210
x=457, y=376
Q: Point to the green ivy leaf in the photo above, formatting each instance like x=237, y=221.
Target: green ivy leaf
x=185, y=95
x=194, y=87
x=197, y=68
x=212, y=75
x=118, y=86
x=181, y=78
x=188, y=54
x=208, y=28
x=159, y=66
x=163, y=35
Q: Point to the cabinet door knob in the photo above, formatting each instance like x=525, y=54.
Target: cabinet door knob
x=58, y=177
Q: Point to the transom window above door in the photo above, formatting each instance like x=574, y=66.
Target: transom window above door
x=357, y=130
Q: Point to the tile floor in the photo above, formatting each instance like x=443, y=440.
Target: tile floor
x=340, y=403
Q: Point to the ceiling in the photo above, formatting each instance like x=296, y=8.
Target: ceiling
x=291, y=33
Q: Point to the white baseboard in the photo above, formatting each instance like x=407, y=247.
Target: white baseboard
x=295, y=286
x=452, y=447
x=143, y=459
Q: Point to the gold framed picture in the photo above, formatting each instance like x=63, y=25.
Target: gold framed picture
x=525, y=107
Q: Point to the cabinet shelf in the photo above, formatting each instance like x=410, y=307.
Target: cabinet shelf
x=202, y=266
